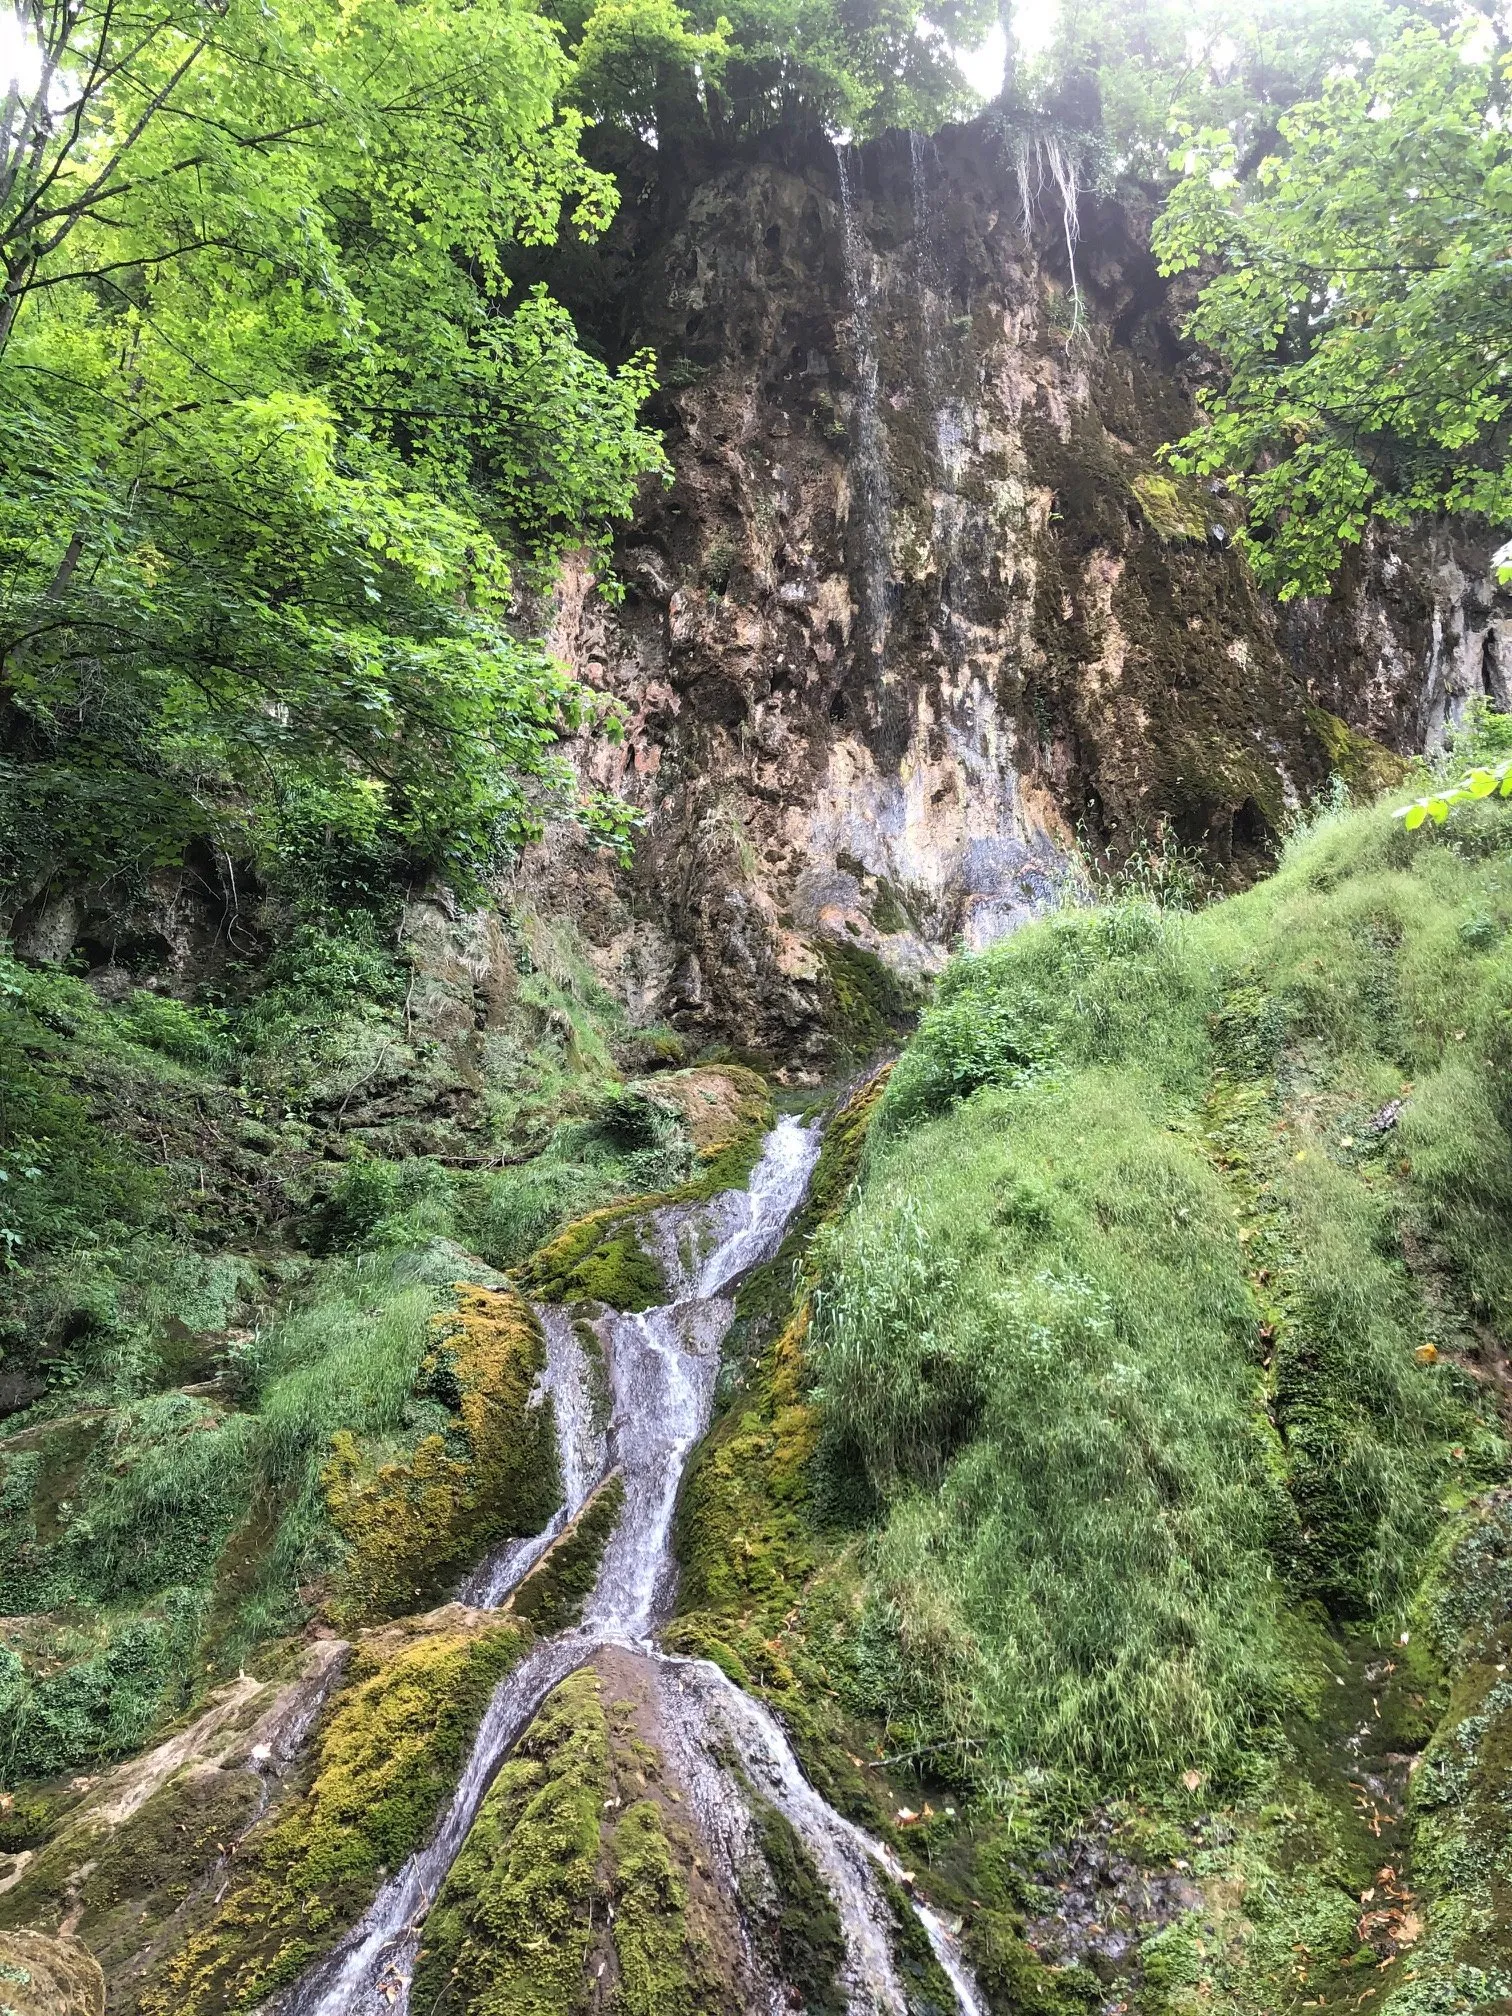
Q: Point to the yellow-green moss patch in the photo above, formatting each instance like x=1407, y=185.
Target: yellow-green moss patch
x=512, y=1926
x=597, y=1259
x=1366, y=766
x=554, y=1592
x=1170, y=508
x=412, y=1525
x=385, y=1759
x=580, y=1886
x=650, y=1918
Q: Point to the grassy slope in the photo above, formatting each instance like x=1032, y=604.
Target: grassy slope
x=1152, y=1383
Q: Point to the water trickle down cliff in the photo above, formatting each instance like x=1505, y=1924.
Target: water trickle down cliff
x=728, y=1750
x=923, y=602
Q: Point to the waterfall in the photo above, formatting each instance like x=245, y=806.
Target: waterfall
x=581, y=1453
x=710, y=1720
x=948, y=419
x=868, y=466
x=663, y=1363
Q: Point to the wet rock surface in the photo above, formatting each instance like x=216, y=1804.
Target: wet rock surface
x=1098, y=1903
x=923, y=603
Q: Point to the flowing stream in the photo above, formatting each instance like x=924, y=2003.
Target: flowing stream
x=662, y=1366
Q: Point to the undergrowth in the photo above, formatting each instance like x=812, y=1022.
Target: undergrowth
x=228, y=1227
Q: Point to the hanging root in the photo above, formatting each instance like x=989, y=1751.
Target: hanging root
x=1039, y=157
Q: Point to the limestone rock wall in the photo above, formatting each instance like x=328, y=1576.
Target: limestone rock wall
x=921, y=604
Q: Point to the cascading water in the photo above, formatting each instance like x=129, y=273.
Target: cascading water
x=711, y=1720
x=663, y=1364
x=868, y=466
x=581, y=1453
x=1035, y=158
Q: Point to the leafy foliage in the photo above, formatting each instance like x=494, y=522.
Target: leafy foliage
x=728, y=69
x=276, y=438
x=1361, y=307
x=1131, y=81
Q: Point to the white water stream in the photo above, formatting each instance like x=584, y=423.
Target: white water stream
x=662, y=1368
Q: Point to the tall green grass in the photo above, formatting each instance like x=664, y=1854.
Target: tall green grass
x=1037, y=1337
x=1121, y=1330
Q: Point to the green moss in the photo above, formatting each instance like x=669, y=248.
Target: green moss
x=599, y=1259
x=513, y=1923
x=553, y=1594
x=386, y=1756
x=1015, y=1980
x=801, y=1922
x=871, y=1005
x=889, y=911
x=596, y=1369
x=650, y=1920
x=27, y=1821
x=1365, y=765
x=411, y=1525
x=618, y=1272
x=145, y=1883
x=924, y=1981
x=1170, y=509
x=1461, y=1796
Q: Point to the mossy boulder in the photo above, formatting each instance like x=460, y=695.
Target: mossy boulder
x=411, y=1526
x=553, y=1594
x=578, y=1887
x=512, y=1926
x=384, y=1760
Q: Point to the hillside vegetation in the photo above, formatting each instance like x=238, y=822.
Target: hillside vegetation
x=1133, y=1466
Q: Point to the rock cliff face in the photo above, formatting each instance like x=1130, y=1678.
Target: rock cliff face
x=921, y=607
x=922, y=601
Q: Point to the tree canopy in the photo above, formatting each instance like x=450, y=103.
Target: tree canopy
x=1358, y=297
x=1129, y=80
x=279, y=439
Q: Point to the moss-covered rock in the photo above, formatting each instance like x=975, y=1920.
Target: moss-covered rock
x=658, y=1974
x=600, y=1257
x=135, y=1891
x=385, y=1758
x=576, y=1887
x=870, y=1006
x=553, y=1594
x=412, y=1525
x=511, y=1929
x=798, y=1917
x=1365, y=765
